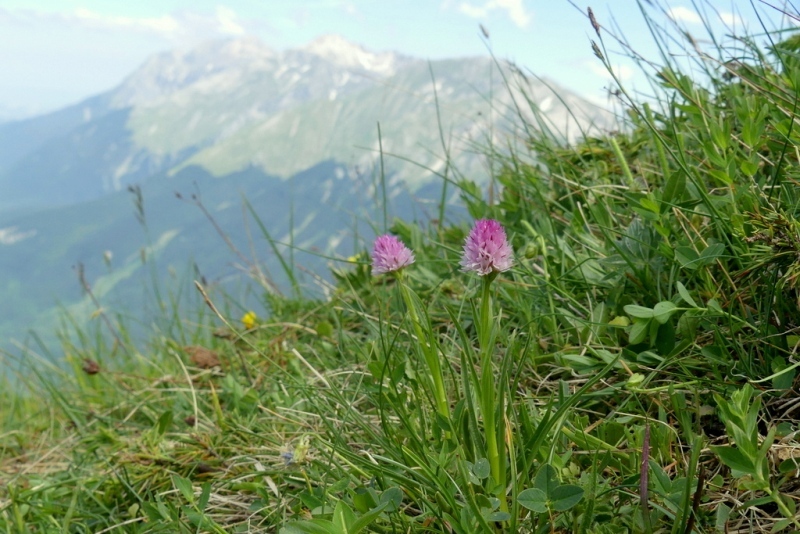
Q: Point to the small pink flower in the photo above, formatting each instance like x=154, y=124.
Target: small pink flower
x=486, y=249
x=389, y=254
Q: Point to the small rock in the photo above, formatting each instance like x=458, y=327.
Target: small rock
x=90, y=367
x=202, y=357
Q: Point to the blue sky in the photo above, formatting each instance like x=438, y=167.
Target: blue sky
x=56, y=52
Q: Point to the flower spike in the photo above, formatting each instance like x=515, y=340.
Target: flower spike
x=486, y=249
x=389, y=254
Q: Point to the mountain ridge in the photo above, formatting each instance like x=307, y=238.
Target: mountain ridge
x=184, y=102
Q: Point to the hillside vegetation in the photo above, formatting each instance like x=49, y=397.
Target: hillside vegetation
x=634, y=370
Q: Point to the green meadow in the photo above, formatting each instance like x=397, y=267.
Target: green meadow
x=634, y=370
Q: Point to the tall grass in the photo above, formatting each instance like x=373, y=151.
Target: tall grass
x=635, y=371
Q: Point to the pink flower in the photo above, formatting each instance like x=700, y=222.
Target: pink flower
x=486, y=249
x=389, y=254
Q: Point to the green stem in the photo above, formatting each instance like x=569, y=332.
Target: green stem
x=429, y=352
x=487, y=389
x=776, y=497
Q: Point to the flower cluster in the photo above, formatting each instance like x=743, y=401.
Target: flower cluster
x=486, y=249
x=389, y=254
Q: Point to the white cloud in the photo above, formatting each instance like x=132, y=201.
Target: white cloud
x=176, y=26
x=475, y=12
x=731, y=19
x=684, y=14
x=165, y=25
x=514, y=9
x=228, y=23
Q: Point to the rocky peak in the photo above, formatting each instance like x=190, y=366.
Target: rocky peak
x=168, y=72
x=338, y=50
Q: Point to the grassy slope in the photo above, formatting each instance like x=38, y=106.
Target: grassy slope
x=642, y=363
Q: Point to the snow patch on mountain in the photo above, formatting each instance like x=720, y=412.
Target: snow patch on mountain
x=340, y=51
x=12, y=234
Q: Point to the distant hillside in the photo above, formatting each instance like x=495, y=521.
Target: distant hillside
x=293, y=129
x=233, y=104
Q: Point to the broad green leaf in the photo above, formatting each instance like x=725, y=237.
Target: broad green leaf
x=310, y=500
x=533, y=499
x=313, y=526
x=712, y=252
x=687, y=257
x=714, y=306
x=788, y=466
x=749, y=168
x=660, y=479
x=481, y=468
x=546, y=479
x=164, y=422
x=721, y=517
x=565, y=497
x=393, y=497
x=663, y=311
x=684, y=293
x=783, y=375
x=734, y=459
x=721, y=176
x=343, y=517
x=665, y=338
x=654, y=326
x=205, y=494
x=640, y=312
x=673, y=190
x=638, y=331
x=364, y=521
x=578, y=361
x=184, y=485
x=766, y=445
x=650, y=205
x=364, y=499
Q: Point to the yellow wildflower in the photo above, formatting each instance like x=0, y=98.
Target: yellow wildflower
x=249, y=320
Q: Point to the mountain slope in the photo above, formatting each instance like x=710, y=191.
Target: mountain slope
x=228, y=105
x=40, y=251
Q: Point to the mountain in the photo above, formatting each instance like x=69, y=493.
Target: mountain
x=296, y=132
x=228, y=105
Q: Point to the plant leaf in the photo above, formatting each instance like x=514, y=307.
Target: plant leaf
x=481, y=469
x=546, y=480
x=684, y=293
x=638, y=331
x=663, y=311
x=343, y=517
x=565, y=497
x=393, y=497
x=184, y=485
x=533, y=499
x=734, y=459
x=687, y=257
x=640, y=312
x=363, y=522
